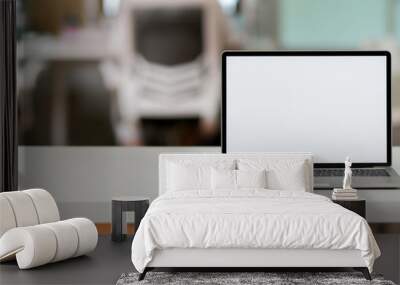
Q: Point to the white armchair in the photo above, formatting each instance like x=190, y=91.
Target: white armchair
x=31, y=231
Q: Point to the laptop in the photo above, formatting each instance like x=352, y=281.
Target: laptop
x=333, y=104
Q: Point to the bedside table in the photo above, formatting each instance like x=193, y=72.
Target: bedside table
x=357, y=206
x=137, y=204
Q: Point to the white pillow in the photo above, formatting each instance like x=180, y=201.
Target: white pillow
x=183, y=178
x=187, y=175
x=282, y=174
x=237, y=179
x=251, y=178
x=223, y=179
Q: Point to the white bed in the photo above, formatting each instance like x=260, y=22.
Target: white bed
x=248, y=227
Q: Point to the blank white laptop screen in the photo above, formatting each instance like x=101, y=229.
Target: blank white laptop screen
x=332, y=106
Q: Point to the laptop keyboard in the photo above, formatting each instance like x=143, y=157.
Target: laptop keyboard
x=356, y=172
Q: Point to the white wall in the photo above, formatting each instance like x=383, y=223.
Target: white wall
x=84, y=179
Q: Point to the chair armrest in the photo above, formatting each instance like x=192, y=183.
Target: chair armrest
x=41, y=244
x=32, y=246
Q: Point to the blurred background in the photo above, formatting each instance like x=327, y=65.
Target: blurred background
x=141, y=72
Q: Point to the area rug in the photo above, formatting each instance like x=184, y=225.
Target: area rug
x=268, y=278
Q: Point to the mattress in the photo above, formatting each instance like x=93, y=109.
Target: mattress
x=250, y=219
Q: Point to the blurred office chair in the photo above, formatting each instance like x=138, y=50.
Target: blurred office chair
x=169, y=63
x=86, y=107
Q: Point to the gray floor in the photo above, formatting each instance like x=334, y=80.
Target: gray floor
x=103, y=266
x=111, y=259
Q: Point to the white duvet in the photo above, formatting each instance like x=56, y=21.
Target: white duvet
x=250, y=219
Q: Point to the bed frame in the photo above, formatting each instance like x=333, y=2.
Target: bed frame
x=233, y=259
x=246, y=259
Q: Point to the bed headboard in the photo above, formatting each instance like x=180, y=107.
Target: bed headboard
x=213, y=157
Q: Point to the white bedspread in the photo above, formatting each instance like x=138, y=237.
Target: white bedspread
x=250, y=219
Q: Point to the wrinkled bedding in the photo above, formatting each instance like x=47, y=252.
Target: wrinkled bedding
x=250, y=218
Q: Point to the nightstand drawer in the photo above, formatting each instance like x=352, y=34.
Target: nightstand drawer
x=357, y=206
